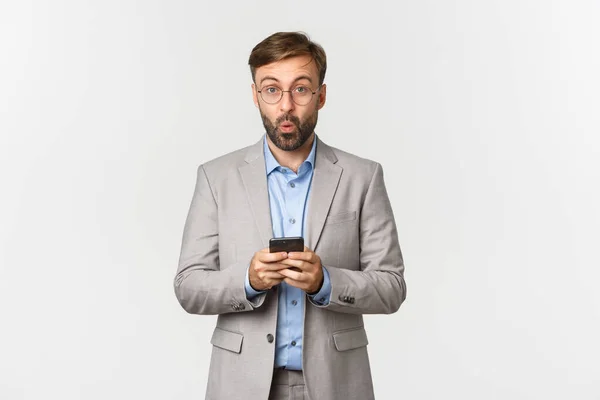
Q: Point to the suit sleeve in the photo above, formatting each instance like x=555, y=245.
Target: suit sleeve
x=379, y=286
x=202, y=285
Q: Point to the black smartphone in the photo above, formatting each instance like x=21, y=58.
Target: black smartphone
x=286, y=244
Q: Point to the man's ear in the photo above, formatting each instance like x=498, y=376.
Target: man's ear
x=254, y=97
x=322, y=96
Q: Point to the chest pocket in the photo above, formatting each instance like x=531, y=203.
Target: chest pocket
x=340, y=218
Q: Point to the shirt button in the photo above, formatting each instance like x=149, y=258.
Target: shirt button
x=293, y=343
x=292, y=221
x=270, y=338
x=292, y=185
x=294, y=302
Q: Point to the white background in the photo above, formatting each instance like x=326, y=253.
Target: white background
x=484, y=115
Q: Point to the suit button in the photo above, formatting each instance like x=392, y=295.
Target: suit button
x=351, y=300
x=234, y=306
x=270, y=338
x=241, y=307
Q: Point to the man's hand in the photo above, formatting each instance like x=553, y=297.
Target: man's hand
x=309, y=273
x=264, y=269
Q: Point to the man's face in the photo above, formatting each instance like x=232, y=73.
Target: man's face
x=288, y=124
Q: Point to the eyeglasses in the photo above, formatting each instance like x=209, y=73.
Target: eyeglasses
x=301, y=95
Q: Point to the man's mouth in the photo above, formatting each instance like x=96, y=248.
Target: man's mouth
x=286, y=126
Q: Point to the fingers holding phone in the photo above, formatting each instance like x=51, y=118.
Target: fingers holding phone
x=263, y=269
x=268, y=265
x=287, y=245
x=305, y=270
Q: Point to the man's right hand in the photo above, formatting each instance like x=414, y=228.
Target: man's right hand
x=263, y=272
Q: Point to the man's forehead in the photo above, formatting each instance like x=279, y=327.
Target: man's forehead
x=289, y=68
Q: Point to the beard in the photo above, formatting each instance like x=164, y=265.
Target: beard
x=290, y=141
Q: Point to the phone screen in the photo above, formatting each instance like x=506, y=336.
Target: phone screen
x=286, y=244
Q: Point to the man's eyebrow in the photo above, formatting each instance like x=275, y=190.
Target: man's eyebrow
x=303, y=77
x=308, y=78
x=269, y=77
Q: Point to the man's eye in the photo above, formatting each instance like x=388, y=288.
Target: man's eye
x=272, y=90
x=302, y=89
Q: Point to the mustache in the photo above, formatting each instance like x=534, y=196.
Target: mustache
x=288, y=118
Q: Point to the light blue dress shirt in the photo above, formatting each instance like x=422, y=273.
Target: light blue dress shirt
x=288, y=194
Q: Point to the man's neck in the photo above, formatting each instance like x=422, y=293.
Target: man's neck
x=292, y=159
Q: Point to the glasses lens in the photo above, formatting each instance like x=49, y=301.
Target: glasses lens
x=271, y=94
x=302, y=95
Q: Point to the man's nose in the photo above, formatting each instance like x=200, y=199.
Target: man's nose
x=287, y=104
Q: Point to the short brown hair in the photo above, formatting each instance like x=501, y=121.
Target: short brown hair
x=282, y=45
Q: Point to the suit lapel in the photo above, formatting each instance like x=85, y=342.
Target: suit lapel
x=326, y=177
x=255, y=182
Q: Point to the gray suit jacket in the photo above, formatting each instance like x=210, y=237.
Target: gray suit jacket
x=350, y=225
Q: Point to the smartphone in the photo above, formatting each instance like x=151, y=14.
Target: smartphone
x=286, y=244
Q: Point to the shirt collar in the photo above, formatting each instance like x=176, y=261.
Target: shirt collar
x=271, y=163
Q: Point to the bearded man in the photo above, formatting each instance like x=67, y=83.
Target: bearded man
x=290, y=324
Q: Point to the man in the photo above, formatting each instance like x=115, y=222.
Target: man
x=290, y=325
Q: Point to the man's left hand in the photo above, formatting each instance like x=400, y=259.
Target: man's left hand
x=307, y=272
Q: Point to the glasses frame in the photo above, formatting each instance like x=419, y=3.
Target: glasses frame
x=290, y=92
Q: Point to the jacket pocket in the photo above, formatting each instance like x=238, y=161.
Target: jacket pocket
x=227, y=340
x=350, y=339
x=341, y=217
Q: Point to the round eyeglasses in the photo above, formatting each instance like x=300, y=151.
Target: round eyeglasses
x=301, y=95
